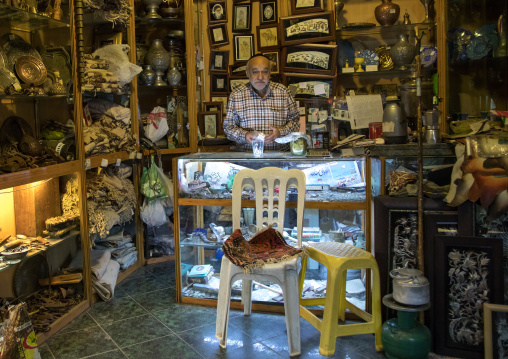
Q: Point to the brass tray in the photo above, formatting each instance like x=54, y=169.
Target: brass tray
x=31, y=70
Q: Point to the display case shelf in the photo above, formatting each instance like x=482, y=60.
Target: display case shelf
x=27, y=21
x=38, y=174
x=95, y=161
x=166, y=22
x=30, y=98
x=391, y=31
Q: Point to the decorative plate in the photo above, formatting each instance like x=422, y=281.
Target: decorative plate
x=428, y=56
x=478, y=48
x=385, y=60
x=358, y=25
x=31, y=70
x=371, y=58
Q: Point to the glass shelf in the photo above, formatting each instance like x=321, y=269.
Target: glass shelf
x=27, y=97
x=24, y=20
x=382, y=30
x=140, y=21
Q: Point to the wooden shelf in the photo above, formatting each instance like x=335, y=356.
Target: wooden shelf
x=30, y=98
x=392, y=30
x=27, y=21
x=38, y=174
x=95, y=161
x=166, y=22
x=169, y=151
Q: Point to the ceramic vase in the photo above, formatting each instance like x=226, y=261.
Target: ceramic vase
x=148, y=76
x=403, y=52
x=387, y=13
x=157, y=57
x=174, y=77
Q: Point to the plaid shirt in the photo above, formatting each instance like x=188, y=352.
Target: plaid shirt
x=247, y=111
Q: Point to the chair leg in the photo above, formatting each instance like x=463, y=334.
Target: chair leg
x=342, y=295
x=376, y=307
x=302, y=277
x=330, y=314
x=292, y=311
x=221, y=325
x=247, y=296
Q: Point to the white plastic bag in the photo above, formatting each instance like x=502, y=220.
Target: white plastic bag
x=154, y=213
x=157, y=124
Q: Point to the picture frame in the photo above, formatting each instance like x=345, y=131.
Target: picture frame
x=268, y=12
x=242, y=17
x=388, y=212
x=306, y=6
x=268, y=37
x=218, y=84
x=310, y=58
x=106, y=38
x=243, y=47
x=477, y=259
x=224, y=100
x=318, y=27
x=209, y=123
x=237, y=81
x=238, y=69
x=495, y=319
x=219, y=61
x=274, y=61
x=214, y=106
x=218, y=35
x=217, y=11
x=315, y=86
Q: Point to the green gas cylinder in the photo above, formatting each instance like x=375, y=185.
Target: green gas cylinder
x=405, y=338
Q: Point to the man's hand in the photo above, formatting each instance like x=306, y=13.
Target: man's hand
x=275, y=134
x=249, y=136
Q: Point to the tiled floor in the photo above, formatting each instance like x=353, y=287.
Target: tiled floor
x=144, y=322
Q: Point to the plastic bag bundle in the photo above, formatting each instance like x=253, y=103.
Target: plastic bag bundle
x=153, y=185
x=157, y=126
x=17, y=336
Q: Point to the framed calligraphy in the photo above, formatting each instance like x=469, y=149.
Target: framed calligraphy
x=495, y=326
x=244, y=47
x=311, y=58
x=218, y=35
x=237, y=81
x=242, y=18
x=300, y=29
x=219, y=61
x=217, y=11
x=208, y=123
x=238, y=69
x=218, y=84
x=303, y=86
x=274, y=61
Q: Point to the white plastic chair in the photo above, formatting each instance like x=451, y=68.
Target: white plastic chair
x=270, y=210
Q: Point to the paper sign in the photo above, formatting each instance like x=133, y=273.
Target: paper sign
x=319, y=89
x=104, y=162
x=303, y=85
x=364, y=109
x=323, y=115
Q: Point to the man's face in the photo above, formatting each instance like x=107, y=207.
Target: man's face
x=258, y=72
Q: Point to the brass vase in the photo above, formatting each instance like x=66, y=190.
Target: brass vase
x=387, y=13
x=403, y=52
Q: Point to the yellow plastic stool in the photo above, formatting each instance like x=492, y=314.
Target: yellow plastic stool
x=338, y=258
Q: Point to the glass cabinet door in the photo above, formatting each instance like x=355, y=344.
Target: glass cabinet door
x=477, y=62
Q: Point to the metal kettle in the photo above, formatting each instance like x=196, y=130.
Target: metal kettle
x=410, y=286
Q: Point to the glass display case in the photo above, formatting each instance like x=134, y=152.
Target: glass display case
x=476, y=65
x=336, y=209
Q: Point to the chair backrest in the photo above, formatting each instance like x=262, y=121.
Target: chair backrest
x=270, y=185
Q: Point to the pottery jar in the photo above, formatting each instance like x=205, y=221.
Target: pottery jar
x=148, y=76
x=387, y=13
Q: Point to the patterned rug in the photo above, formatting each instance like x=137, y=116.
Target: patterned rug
x=265, y=247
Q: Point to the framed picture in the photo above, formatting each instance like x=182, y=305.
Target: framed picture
x=238, y=69
x=304, y=86
x=267, y=12
x=237, y=81
x=242, y=17
x=208, y=123
x=218, y=84
x=268, y=37
x=396, y=240
x=214, y=106
x=244, y=47
x=218, y=35
x=107, y=38
x=312, y=59
x=274, y=61
x=495, y=327
x=224, y=100
x=306, y=6
x=217, y=11
x=306, y=28
x=219, y=61
x=459, y=307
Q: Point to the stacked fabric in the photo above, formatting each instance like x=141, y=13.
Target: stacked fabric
x=122, y=247
x=97, y=78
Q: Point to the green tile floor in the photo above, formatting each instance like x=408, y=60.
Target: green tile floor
x=144, y=322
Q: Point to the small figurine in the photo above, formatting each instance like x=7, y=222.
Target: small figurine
x=406, y=18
